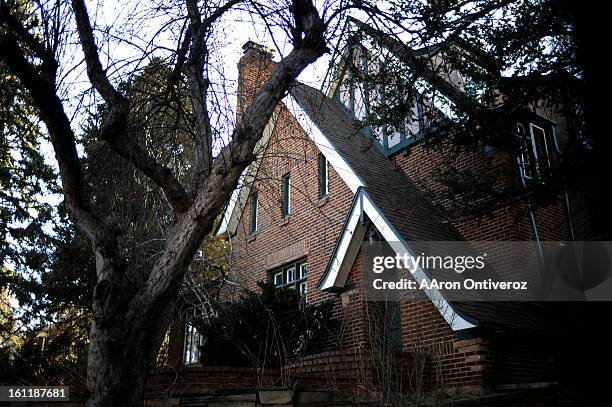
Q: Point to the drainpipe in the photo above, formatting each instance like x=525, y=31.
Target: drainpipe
x=538, y=243
x=568, y=215
x=566, y=201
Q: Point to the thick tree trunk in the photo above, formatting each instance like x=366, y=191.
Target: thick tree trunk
x=120, y=358
x=127, y=329
x=126, y=334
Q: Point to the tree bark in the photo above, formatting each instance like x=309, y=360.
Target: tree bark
x=127, y=329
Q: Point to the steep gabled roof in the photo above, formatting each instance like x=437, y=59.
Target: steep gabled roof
x=395, y=194
x=394, y=204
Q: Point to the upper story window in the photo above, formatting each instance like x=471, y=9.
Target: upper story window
x=192, y=341
x=394, y=113
x=323, y=177
x=254, y=211
x=286, y=195
x=534, y=157
x=293, y=275
x=476, y=88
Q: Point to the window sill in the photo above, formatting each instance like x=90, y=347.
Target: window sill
x=284, y=221
x=252, y=237
x=322, y=201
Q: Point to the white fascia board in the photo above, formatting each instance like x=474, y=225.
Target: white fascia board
x=240, y=195
x=400, y=246
x=342, y=167
x=340, y=264
x=334, y=276
x=336, y=273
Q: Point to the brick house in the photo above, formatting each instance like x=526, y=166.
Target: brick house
x=322, y=184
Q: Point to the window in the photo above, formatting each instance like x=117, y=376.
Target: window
x=303, y=288
x=323, y=177
x=278, y=279
x=191, y=345
x=290, y=275
x=286, y=195
x=534, y=155
x=540, y=149
x=375, y=96
x=476, y=88
x=293, y=275
x=254, y=211
x=303, y=270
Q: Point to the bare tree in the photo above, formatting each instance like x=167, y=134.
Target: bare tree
x=129, y=323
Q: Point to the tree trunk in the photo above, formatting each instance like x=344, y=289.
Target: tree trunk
x=120, y=358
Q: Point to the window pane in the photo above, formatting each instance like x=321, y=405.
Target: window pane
x=524, y=157
x=393, y=138
x=540, y=149
x=278, y=279
x=412, y=125
x=254, y=211
x=323, y=180
x=345, y=91
x=286, y=195
x=291, y=275
x=360, y=109
x=191, y=345
x=303, y=270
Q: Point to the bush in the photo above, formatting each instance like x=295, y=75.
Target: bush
x=265, y=329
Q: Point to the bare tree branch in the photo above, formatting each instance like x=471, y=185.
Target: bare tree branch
x=236, y=156
x=198, y=83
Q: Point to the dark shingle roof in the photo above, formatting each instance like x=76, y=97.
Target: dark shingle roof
x=395, y=194
x=400, y=200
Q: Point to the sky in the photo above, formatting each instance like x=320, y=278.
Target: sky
x=127, y=28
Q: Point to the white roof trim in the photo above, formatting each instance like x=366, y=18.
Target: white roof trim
x=336, y=274
x=342, y=167
x=352, y=236
x=346, y=248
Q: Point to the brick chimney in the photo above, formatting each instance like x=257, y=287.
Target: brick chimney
x=254, y=68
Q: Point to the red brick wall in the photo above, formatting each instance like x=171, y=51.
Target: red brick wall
x=313, y=228
x=507, y=222
x=175, y=344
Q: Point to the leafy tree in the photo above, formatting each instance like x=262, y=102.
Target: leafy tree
x=514, y=55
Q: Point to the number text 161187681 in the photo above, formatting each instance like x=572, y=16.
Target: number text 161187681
x=34, y=393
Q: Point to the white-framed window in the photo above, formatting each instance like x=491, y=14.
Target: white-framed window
x=323, y=176
x=290, y=275
x=254, y=211
x=293, y=275
x=303, y=271
x=192, y=342
x=278, y=278
x=286, y=195
x=303, y=288
x=541, y=152
x=534, y=155
x=524, y=158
